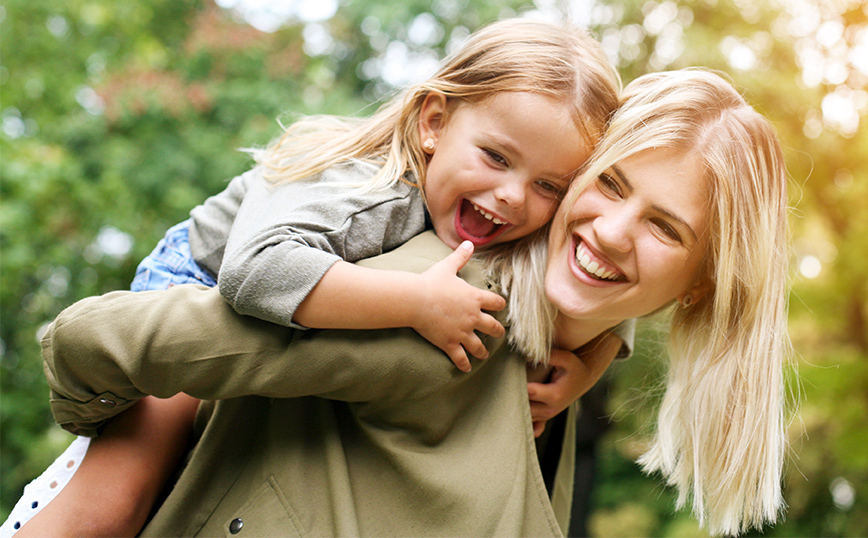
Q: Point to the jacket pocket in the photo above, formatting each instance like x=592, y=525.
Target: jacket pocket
x=267, y=513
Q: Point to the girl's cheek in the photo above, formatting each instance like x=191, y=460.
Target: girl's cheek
x=548, y=208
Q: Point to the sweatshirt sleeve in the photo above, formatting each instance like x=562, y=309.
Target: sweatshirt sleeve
x=285, y=238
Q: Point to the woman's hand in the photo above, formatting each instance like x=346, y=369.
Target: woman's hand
x=453, y=310
x=569, y=376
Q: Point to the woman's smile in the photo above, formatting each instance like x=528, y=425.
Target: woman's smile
x=627, y=244
x=592, y=265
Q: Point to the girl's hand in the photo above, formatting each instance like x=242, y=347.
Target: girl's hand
x=571, y=375
x=453, y=310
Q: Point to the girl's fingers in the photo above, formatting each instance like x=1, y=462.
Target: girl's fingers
x=490, y=326
x=458, y=258
x=459, y=359
x=475, y=347
x=492, y=302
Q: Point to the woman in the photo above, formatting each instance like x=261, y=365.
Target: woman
x=684, y=202
x=720, y=431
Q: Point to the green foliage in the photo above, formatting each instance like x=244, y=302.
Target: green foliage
x=116, y=118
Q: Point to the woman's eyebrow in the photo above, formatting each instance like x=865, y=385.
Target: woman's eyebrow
x=659, y=209
x=623, y=177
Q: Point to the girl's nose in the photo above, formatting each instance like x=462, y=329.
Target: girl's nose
x=614, y=230
x=511, y=193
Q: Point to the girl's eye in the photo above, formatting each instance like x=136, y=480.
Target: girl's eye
x=550, y=189
x=667, y=230
x=496, y=157
x=608, y=183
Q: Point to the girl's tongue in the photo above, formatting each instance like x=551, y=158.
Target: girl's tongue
x=475, y=223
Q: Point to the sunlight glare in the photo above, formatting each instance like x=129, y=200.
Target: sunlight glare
x=270, y=15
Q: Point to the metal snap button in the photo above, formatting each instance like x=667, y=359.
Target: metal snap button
x=235, y=526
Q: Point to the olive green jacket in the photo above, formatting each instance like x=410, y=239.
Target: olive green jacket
x=316, y=433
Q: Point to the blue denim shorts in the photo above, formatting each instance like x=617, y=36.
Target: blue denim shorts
x=171, y=263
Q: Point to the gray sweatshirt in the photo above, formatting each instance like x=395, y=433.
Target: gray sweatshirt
x=270, y=245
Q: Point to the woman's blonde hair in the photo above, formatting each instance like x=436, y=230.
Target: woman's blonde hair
x=720, y=436
x=514, y=55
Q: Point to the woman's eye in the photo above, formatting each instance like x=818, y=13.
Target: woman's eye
x=608, y=183
x=668, y=230
x=496, y=157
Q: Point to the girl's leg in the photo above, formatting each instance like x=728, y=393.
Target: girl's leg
x=171, y=263
x=132, y=444
x=122, y=473
x=39, y=492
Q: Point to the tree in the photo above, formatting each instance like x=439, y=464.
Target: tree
x=117, y=118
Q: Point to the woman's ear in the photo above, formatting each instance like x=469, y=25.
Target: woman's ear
x=432, y=118
x=695, y=293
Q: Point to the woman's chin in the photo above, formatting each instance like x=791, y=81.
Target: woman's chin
x=563, y=297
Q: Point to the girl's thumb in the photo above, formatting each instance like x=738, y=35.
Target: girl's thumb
x=462, y=254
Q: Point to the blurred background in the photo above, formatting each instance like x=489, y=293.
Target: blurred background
x=117, y=117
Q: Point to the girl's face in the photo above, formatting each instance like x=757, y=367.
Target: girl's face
x=499, y=167
x=633, y=241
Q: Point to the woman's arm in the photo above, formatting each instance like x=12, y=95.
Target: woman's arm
x=569, y=375
x=122, y=474
x=103, y=353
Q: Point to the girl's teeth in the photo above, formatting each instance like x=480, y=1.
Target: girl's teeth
x=488, y=215
x=592, y=267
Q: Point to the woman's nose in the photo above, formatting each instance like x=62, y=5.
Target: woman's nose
x=614, y=229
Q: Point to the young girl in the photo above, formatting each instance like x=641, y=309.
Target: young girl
x=683, y=204
x=480, y=152
x=487, y=146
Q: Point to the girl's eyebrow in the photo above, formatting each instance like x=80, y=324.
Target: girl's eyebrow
x=655, y=207
x=505, y=144
x=503, y=141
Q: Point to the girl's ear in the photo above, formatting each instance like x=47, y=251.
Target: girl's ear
x=432, y=117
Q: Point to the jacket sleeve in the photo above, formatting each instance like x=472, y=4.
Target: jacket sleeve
x=626, y=331
x=104, y=353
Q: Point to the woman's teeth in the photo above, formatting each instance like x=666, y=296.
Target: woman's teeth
x=592, y=267
x=487, y=215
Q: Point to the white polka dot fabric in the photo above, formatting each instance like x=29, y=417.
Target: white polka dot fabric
x=41, y=491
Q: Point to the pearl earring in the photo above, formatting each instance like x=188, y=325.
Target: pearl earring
x=428, y=144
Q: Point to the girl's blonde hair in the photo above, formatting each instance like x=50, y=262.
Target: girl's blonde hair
x=514, y=55
x=720, y=437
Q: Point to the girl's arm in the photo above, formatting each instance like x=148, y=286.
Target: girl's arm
x=569, y=375
x=438, y=304
x=122, y=474
x=289, y=253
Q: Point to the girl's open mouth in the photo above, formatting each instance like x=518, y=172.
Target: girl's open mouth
x=475, y=224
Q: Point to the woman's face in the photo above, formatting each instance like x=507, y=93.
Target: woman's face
x=633, y=240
